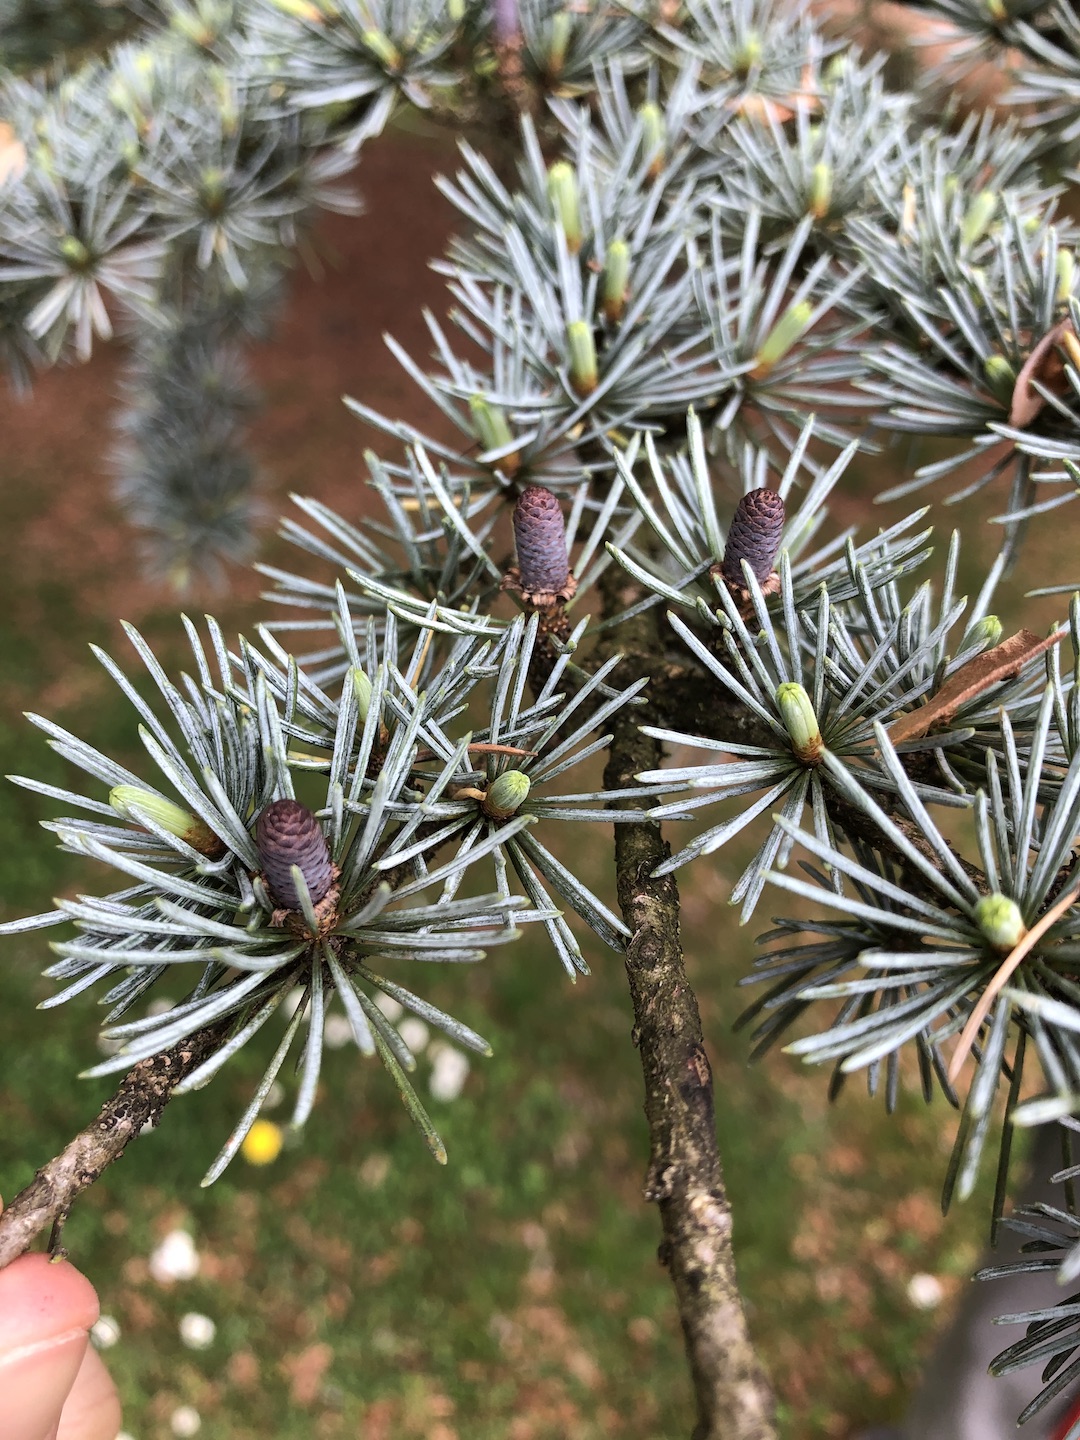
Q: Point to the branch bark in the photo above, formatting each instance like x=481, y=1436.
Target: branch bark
x=140, y=1099
x=684, y=1176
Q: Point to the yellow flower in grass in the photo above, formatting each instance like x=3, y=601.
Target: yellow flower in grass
x=262, y=1144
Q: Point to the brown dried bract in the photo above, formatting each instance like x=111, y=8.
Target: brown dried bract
x=1003, y=662
x=739, y=593
x=1045, y=365
x=542, y=600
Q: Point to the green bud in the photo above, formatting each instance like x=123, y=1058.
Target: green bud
x=653, y=137
x=1000, y=920
x=835, y=71
x=493, y=431
x=797, y=713
x=191, y=28
x=821, y=190
x=616, y=280
x=1066, y=273
x=1001, y=377
x=74, y=252
x=787, y=330
x=563, y=194
x=362, y=691
x=562, y=23
x=986, y=633
x=583, y=374
x=997, y=10
x=750, y=54
x=127, y=800
x=301, y=10
x=506, y=795
x=977, y=219
x=383, y=48
x=214, y=181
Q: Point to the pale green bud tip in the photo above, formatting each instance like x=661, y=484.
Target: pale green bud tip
x=784, y=334
x=616, y=279
x=383, y=48
x=1066, y=273
x=132, y=802
x=559, y=40
x=74, y=251
x=979, y=214
x=821, y=183
x=1000, y=920
x=987, y=633
x=579, y=339
x=506, y=795
x=751, y=52
x=563, y=194
x=362, y=691
x=491, y=424
x=797, y=713
x=653, y=134
x=1000, y=376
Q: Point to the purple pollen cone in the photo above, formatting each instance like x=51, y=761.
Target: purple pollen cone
x=540, y=540
x=288, y=834
x=754, y=536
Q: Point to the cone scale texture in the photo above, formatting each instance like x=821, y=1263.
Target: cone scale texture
x=288, y=834
x=755, y=533
x=540, y=540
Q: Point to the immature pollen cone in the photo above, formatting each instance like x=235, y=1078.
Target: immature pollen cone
x=288, y=834
x=542, y=574
x=754, y=536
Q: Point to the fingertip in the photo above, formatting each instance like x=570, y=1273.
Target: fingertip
x=41, y=1299
x=92, y=1410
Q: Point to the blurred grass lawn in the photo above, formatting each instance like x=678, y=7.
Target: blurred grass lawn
x=357, y=1288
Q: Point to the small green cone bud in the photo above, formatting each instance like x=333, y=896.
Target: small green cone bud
x=362, y=691
x=751, y=53
x=1066, y=273
x=1000, y=920
x=797, y=713
x=784, y=334
x=562, y=23
x=300, y=10
x=616, y=281
x=563, y=194
x=506, y=795
x=583, y=375
x=74, y=252
x=653, y=138
x=1001, y=377
x=835, y=71
x=986, y=633
x=214, y=181
x=821, y=183
x=126, y=799
x=997, y=10
x=977, y=219
x=493, y=431
x=383, y=48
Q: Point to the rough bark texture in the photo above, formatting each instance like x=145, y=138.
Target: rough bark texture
x=684, y=1176
x=141, y=1097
